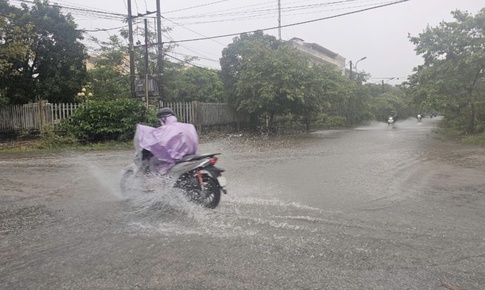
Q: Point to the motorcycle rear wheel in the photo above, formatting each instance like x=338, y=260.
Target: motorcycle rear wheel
x=208, y=197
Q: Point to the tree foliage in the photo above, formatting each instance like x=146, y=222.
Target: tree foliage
x=110, y=76
x=266, y=77
x=452, y=78
x=194, y=84
x=51, y=63
x=385, y=99
x=235, y=54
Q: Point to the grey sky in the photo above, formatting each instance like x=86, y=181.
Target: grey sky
x=378, y=34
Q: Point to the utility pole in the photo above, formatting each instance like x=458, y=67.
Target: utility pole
x=279, y=19
x=146, y=63
x=131, y=51
x=160, y=53
x=350, y=74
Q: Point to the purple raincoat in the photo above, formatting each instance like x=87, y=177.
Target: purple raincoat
x=167, y=143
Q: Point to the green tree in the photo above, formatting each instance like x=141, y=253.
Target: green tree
x=452, y=78
x=235, y=54
x=110, y=77
x=195, y=84
x=273, y=82
x=53, y=66
x=12, y=46
x=267, y=78
x=385, y=98
x=325, y=93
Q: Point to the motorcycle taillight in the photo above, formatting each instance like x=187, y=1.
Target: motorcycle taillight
x=213, y=160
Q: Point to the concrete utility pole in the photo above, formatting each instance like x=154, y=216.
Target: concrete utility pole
x=279, y=19
x=146, y=64
x=131, y=51
x=350, y=74
x=160, y=53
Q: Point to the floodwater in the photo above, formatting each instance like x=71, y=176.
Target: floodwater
x=374, y=207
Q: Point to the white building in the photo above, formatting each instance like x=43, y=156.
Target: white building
x=319, y=53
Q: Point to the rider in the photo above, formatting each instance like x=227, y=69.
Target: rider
x=393, y=115
x=168, y=143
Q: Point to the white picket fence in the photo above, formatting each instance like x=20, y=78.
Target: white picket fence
x=34, y=116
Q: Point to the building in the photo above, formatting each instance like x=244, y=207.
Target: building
x=319, y=54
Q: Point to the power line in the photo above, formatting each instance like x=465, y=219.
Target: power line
x=184, y=61
x=292, y=24
x=262, y=10
x=101, y=29
x=198, y=6
x=266, y=15
x=191, y=30
x=107, y=15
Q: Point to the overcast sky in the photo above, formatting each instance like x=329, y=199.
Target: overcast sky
x=380, y=34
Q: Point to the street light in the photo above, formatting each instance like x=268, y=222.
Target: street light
x=386, y=83
x=350, y=76
x=358, y=62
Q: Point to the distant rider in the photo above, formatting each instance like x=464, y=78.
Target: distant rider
x=393, y=117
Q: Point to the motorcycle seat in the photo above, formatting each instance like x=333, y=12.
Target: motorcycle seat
x=193, y=157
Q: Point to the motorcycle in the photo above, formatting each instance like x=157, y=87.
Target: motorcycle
x=390, y=121
x=196, y=176
x=419, y=117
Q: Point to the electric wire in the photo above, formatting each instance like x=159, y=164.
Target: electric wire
x=263, y=16
x=188, y=48
x=260, y=14
x=95, y=13
x=198, y=6
x=296, y=23
x=183, y=26
x=262, y=10
x=184, y=61
x=110, y=15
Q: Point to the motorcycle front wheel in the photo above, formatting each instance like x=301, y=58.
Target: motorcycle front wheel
x=126, y=182
x=132, y=183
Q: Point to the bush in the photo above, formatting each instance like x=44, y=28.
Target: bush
x=49, y=139
x=329, y=122
x=107, y=120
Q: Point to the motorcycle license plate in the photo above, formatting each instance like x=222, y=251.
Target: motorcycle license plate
x=222, y=181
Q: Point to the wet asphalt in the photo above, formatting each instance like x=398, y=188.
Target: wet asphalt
x=374, y=207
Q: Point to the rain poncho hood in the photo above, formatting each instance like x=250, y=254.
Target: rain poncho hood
x=168, y=143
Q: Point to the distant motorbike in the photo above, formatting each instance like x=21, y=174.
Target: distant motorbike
x=419, y=117
x=196, y=175
x=391, y=120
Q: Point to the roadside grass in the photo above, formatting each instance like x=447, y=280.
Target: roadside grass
x=448, y=134
x=48, y=142
x=59, y=144
x=478, y=139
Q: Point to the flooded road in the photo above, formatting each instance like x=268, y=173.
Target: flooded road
x=368, y=208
